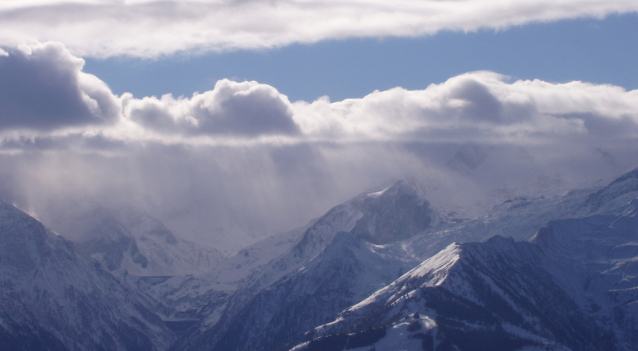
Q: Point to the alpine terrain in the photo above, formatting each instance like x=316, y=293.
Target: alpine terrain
x=386, y=270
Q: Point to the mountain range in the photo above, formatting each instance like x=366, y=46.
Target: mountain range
x=383, y=271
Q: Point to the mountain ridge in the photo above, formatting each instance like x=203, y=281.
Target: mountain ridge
x=54, y=295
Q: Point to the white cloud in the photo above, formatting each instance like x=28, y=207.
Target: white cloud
x=152, y=28
x=479, y=106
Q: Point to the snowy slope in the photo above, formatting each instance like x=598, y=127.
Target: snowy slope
x=597, y=258
x=392, y=214
x=346, y=271
x=519, y=218
x=203, y=297
x=491, y=295
x=573, y=286
x=53, y=297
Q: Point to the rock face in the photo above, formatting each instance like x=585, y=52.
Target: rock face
x=54, y=297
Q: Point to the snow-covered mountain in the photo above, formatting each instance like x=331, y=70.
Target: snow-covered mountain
x=281, y=293
x=518, y=218
x=131, y=240
x=492, y=295
x=56, y=298
x=572, y=286
x=383, y=270
x=345, y=272
x=394, y=213
x=467, y=158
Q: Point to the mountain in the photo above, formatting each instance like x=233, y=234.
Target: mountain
x=620, y=190
x=394, y=213
x=382, y=271
x=471, y=296
x=112, y=244
x=131, y=240
x=202, y=298
x=572, y=286
x=345, y=272
x=281, y=293
x=56, y=298
x=467, y=158
x=518, y=218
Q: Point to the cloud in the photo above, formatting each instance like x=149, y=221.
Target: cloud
x=43, y=88
x=477, y=106
x=151, y=28
x=231, y=108
x=230, y=165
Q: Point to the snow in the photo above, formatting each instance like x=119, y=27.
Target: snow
x=586, y=248
x=49, y=286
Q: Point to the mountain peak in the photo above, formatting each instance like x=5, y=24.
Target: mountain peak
x=617, y=192
x=25, y=243
x=629, y=175
x=398, y=188
x=395, y=213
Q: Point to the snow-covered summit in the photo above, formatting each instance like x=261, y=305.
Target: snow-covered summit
x=392, y=214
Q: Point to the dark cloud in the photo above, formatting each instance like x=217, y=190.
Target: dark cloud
x=260, y=110
x=42, y=88
x=152, y=114
x=481, y=105
x=238, y=109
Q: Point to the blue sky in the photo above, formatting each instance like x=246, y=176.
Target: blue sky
x=592, y=50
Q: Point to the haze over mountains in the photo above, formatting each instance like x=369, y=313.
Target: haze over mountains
x=318, y=175
x=384, y=270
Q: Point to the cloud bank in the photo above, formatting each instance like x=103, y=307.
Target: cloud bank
x=147, y=28
x=240, y=161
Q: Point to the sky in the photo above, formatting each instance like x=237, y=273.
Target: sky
x=234, y=120
x=602, y=51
